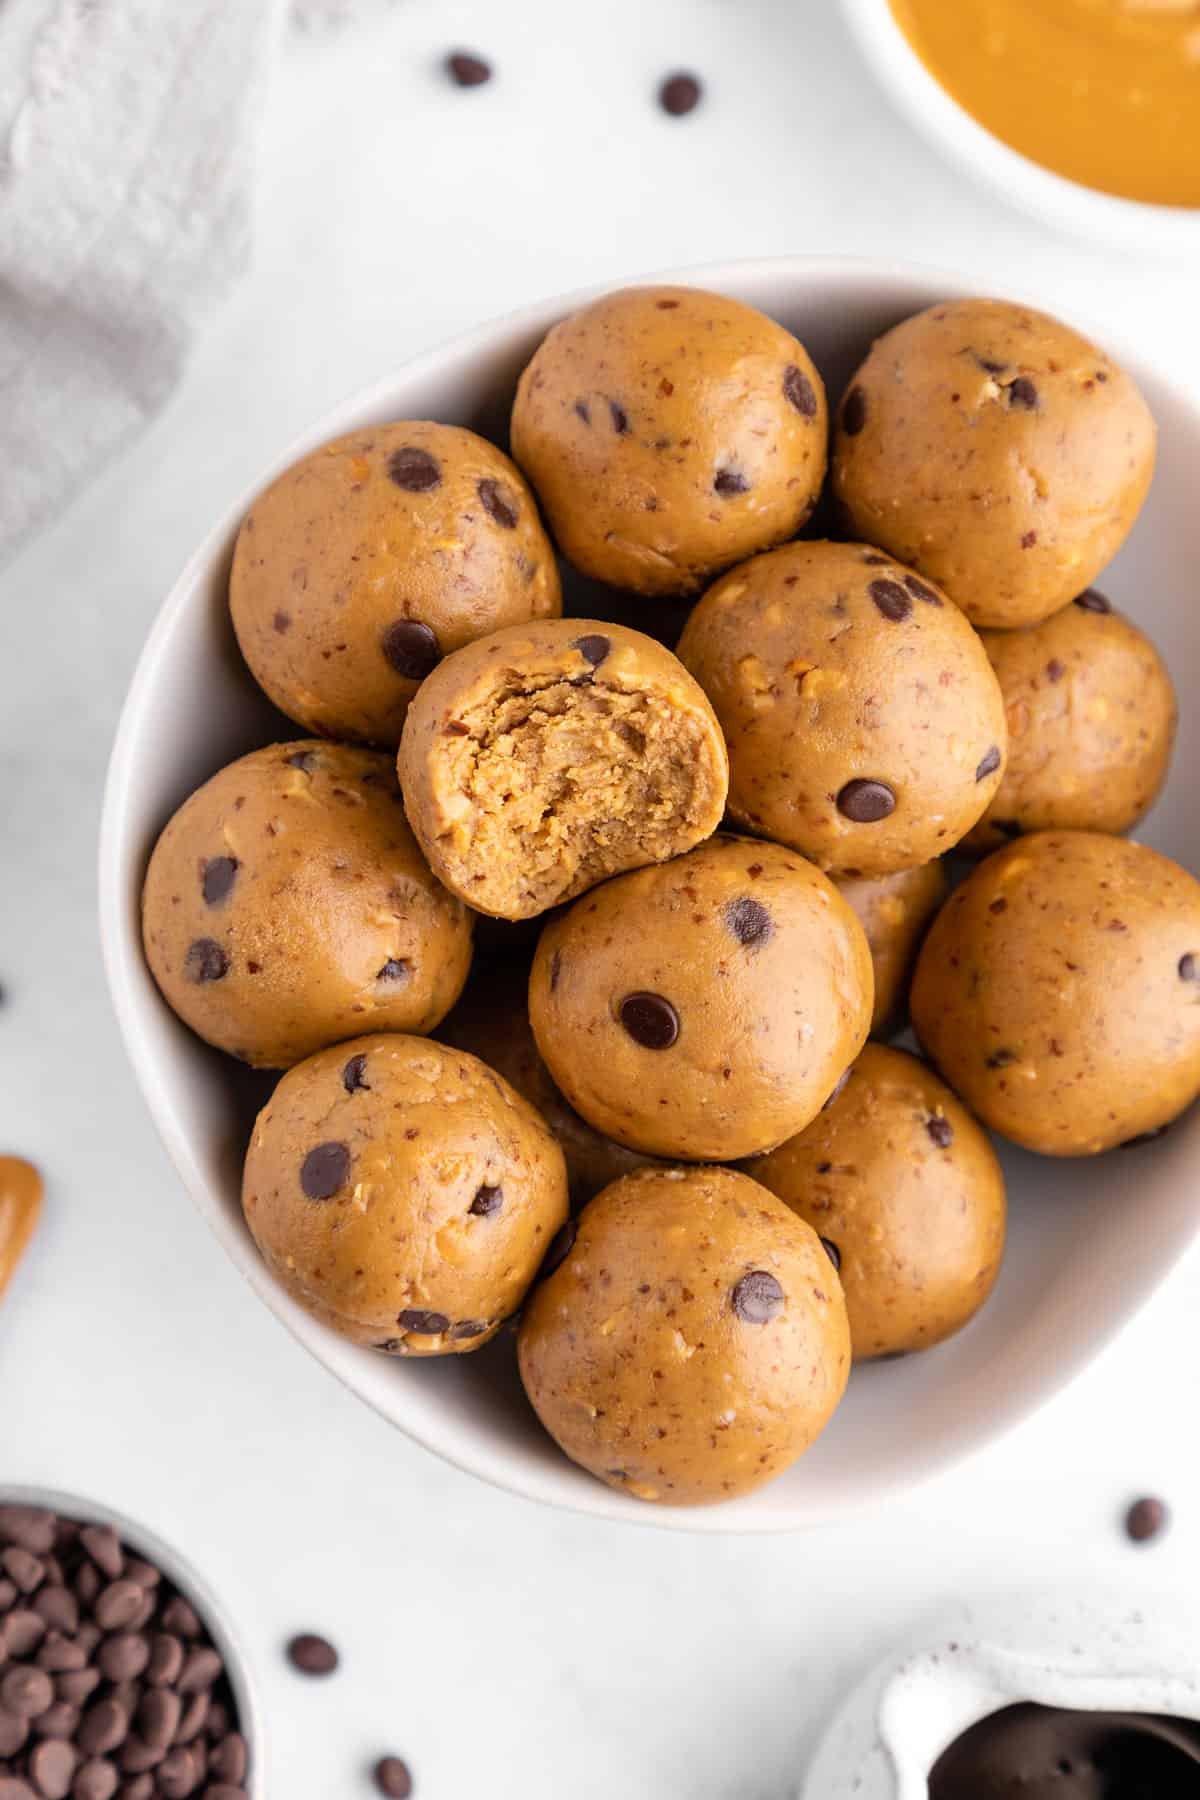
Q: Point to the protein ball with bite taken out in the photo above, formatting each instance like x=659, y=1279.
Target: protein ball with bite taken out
x=1058, y=992
x=705, y=1009
x=548, y=757
x=670, y=432
x=996, y=451
x=287, y=906
x=1091, y=724
x=403, y=1193
x=370, y=559
x=692, y=1343
x=864, y=723
x=905, y=1190
x=895, y=911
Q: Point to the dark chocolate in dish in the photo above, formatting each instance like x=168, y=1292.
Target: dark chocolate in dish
x=1032, y=1752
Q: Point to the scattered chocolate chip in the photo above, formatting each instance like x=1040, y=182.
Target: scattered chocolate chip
x=832, y=1252
x=1091, y=601
x=941, y=1131
x=800, y=391
x=353, y=1073
x=312, y=1655
x=1146, y=1519
x=990, y=366
x=728, y=482
x=423, y=1324
x=1028, y=539
x=414, y=470
x=555, y=969
x=468, y=1328
x=891, y=600
x=305, y=760
x=757, y=1297
x=866, y=802
x=679, y=94
x=650, y=1020
x=467, y=70
x=488, y=1200
x=921, y=590
x=412, y=648
x=1055, y=670
x=1023, y=393
x=324, y=1170
x=988, y=764
x=583, y=411
x=392, y=1778
x=620, y=418
x=282, y=622
x=593, y=648
x=749, y=920
x=1189, y=966
x=854, y=411
x=560, y=1247
x=218, y=878
x=394, y=969
x=205, y=961
x=1001, y=1059
x=498, y=504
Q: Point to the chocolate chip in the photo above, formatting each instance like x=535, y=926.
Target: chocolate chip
x=988, y=764
x=1091, y=601
x=620, y=418
x=58, y=1721
x=104, y=1547
x=324, y=1170
x=59, y=1654
x=13, y=1734
x=25, y=1692
x=941, y=1131
x=593, y=648
x=1023, y=393
x=423, y=1324
x=921, y=590
x=23, y=1567
x=205, y=961
x=195, y=1717
x=488, y=1200
x=75, y=1686
x=23, y=1632
x=990, y=366
x=30, y=1527
x=679, y=94
x=303, y=759
x=757, y=1297
x=749, y=920
x=1001, y=1059
x=52, y=1769
x=891, y=600
x=498, y=503
x=312, y=1655
x=866, y=802
x=1028, y=539
x=1189, y=966
x=176, y=1774
x=583, y=411
x=411, y=648
x=467, y=1328
x=117, y=1605
x=229, y=1760
x=728, y=482
x=166, y=1659
x=217, y=878
x=179, y=1617
x=157, y=1717
x=560, y=1247
x=352, y=1075
x=800, y=391
x=832, y=1252
x=282, y=622
x=650, y=1020
x=414, y=470
x=467, y=70
x=1146, y=1519
x=555, y=969
x=97, y=1780
x=123, y=1656
x=854, y=411
x=1055, y=670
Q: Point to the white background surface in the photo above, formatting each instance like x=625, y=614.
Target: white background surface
x=502, y=1649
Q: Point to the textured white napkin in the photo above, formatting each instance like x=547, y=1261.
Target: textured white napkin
x=127, y=130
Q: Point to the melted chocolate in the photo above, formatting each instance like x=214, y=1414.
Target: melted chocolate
x=1046, y=1753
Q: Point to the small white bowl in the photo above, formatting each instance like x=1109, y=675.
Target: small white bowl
x=1087, y=212
x=1081, y=1257
x=183, y=1576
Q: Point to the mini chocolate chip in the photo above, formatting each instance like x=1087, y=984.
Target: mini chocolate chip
x=555, y=969
x=941, y=1131
x=324, y=1170
x=282, y=622
x=498, y=504
x=866, y=802
x=800, y=391
x=583, y=411
x=728, y=482
x=749, y=920
x=989, y=763
x=412, y=648
x=312, y=1655
x=1091, y=601
x=395, y=969
x=466, y=70
x=1189, y=966
x=488, y=1200
x=650, y=1020
x=205, y=961
x=757, y=1297
x=921, y=590
x=1143, y=1137
x=414, y=470
x=854, y=411
x=468, y=1328
x=1001, y=1059
x=1028, y=540
x=620, y=418
x=891, y=600
x=832, y=1252
x=593, y=648
x=990, y=366
x=1023, y=393
x=423, y=1324
x=352, y=1075
x=679, y=94
x=842, y=1079
x=1146, y=1519
x=1055, y=670
x=392, y=1778
x=306, y=760
x=218, y=878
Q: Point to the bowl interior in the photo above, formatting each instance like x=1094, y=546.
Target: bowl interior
x=1089, y=1240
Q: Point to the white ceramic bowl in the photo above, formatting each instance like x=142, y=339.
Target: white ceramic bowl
x=1070, y=206
x=193, y=1588
x=1082, y=1258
